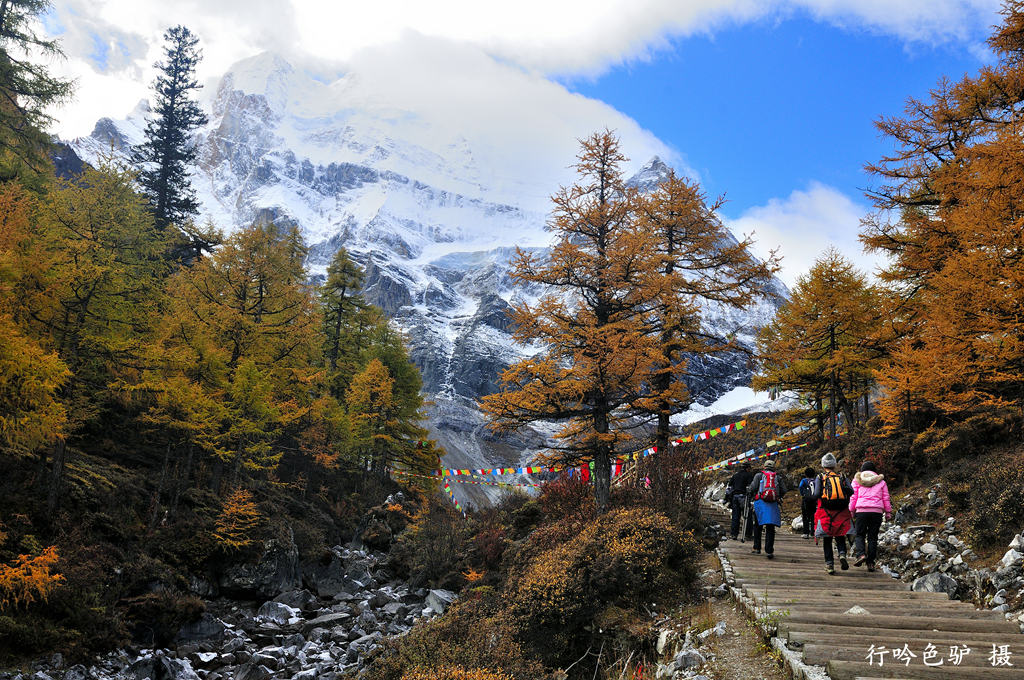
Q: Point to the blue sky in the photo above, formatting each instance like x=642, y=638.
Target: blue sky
x=770, y=102
x=761, y=109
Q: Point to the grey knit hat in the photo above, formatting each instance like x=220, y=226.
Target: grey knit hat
x=828, y=460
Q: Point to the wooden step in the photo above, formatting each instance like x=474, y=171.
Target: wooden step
x=786, y=627
x=827, y=613
x=850, y=670
x=832, y=592
x=819, y=655
x=913, y=637
x=826, y=580
x=948, y=623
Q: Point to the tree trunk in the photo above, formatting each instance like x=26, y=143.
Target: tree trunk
x=40, y=480
x=160, y=488
x=56, y=476
x=601, y=476
x=832, y=388
x=847, y=410
x=182, y=482
x=819, y=418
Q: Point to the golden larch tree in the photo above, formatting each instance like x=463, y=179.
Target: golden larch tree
x=951, y=219
x=824, y=341
x=602, y=283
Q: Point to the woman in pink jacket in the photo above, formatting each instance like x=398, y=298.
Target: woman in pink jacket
x=870, y=502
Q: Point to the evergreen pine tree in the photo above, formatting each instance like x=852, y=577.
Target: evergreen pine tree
x=166, y=154
x=341, y=303
x=27, y=90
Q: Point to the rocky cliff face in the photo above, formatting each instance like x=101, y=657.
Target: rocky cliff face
x=416, y=209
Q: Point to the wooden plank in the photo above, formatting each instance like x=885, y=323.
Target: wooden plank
x=914, y=623
x=786, y=627
x=825, y=593
x=913, y=637
x=850, y=670
x=819, y=655
x=825, y=612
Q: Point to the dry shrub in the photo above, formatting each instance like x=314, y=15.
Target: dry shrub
x=489, y=546
x=990, y=494
x=239, y=521
x=571, y=572
x=472, y=634
x=454, y=673
x=433, y=547
x=29, y=579
x=568, y=498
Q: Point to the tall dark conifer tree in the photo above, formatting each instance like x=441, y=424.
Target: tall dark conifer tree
x=27, y=90
x=166, y=154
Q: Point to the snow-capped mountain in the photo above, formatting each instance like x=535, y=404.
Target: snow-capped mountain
x=422, y=209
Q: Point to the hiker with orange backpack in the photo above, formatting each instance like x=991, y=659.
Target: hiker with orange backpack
x=832, y=520
x=767, y=490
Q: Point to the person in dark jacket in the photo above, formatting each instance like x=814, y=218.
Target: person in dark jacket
x=736, y=496
x=832, y=520
x=807, y=503
x=766, y=509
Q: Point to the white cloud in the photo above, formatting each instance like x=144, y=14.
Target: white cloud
x=111, y=44
x=803, y=225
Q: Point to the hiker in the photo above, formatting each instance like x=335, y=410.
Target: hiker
x=832, y=518
x=736, y=497
x=807, y=503
x=767, y=489
x=869, y=503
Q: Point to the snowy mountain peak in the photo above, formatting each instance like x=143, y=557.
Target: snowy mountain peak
x=430, y=211
x=650, y=175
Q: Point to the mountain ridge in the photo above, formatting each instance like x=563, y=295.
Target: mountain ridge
x=434, y=238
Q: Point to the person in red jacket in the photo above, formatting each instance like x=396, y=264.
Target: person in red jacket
x=869, y=503
x=832, y=519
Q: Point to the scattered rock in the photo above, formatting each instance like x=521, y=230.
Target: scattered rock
x=438, y=600
x=688, y=658
x=161, y=667
x=276, y=571
x=206, y=627
x=1012, y=558
x=250, y=670
x=303, y=600
x=936, y=583
x=280, y=614
x=325, y=621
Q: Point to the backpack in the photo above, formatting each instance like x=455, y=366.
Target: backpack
x=834, y=494
x=769, y=491
x=806, y=487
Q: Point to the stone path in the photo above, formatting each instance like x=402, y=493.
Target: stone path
x=808, y=613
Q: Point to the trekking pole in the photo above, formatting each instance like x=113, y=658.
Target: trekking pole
x=743, y=521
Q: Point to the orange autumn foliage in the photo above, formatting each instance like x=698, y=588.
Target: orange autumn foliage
x=454, y=673
x=597, y=283
x=29, y=579
x=950, y=219
x=472, y=575
x=238, y=521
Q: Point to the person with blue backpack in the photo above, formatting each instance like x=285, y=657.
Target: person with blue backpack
x=767, y=490
x=807, y=503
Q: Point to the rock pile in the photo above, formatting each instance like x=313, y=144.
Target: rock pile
x=332, y=627
x=932, y=558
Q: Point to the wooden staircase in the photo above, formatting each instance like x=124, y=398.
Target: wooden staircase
x=792, y=597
